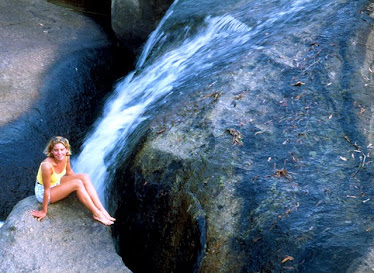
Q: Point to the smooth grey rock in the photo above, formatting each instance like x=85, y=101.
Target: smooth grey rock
x=67, y=240
x=34, y=35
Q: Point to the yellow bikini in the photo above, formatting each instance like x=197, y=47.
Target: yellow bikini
x=55, y=177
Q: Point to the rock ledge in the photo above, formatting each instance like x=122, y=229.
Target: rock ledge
x=67, y=240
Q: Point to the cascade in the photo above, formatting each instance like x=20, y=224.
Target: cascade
x=132, y=97
x=218, y=41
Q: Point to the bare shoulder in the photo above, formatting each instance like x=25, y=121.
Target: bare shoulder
x=47, y=166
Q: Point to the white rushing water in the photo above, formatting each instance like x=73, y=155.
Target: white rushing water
x=140, y=90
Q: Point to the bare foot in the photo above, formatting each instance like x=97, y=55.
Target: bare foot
x=101, y=218
x=107, y=215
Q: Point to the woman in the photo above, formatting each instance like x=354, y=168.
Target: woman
x=56, y=180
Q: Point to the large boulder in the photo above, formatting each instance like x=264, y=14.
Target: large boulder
x=134, y=20
x=261, y=162
x=35, y=35
x=67, y=240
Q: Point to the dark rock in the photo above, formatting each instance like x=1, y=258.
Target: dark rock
x=67, y=240
x=133, y=21
x=261, y=160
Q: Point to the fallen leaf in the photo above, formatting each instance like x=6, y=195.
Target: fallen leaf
x=240, y=96
x=370, y=228
x=255, y=240
x=282, y=173
x=343, y=158
x=283, y=102
x=330, y=117
x=287, y=258
x=347, y=139
x=237, y=137
x=215, y=95
x=161, y=130
x=298, y=96
x=351, y=196
x=212, y=84
x=299, y=84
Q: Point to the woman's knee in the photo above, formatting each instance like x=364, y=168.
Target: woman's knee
x=77, y=184
x=85, y=178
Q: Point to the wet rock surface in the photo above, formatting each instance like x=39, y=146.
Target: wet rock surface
x=133, y=21
x=67, y=240
x=265, y=160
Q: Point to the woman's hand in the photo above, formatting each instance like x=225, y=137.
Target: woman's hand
x=39, y=214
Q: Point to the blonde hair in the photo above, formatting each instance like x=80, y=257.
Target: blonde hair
x=53, y=141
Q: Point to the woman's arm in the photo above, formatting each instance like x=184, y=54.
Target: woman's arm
x=46, y=175
x=69, y=170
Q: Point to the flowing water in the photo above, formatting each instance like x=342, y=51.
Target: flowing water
x=168, y=63
x=138, y=92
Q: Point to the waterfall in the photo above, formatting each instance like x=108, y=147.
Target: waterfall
x=154, y=37
x=150, y=83
x=132, y=97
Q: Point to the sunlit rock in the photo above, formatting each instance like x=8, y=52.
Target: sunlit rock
x=67, y=240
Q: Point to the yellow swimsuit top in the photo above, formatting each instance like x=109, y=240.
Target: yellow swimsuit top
x=55, y=177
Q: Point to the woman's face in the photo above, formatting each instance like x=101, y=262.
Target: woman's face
x=59, y=151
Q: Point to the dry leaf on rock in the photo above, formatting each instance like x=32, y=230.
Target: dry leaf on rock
x=287, y=258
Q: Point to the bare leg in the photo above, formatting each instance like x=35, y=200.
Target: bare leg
x=85, y=198
x=93, y=194
x=64, y=189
